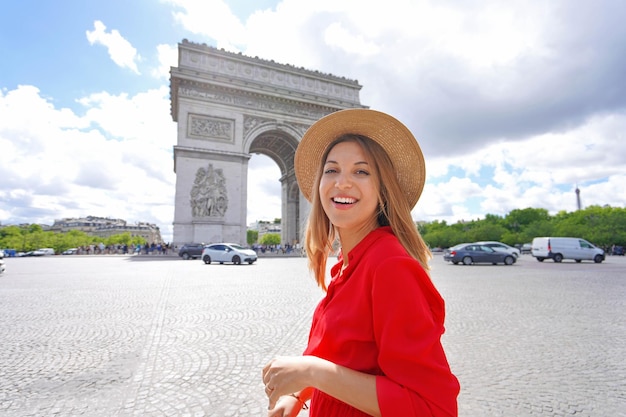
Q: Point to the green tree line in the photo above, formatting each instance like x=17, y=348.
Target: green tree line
x=603, y=226
x=26, y=238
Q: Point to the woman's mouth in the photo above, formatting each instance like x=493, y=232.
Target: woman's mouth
x=344, y=200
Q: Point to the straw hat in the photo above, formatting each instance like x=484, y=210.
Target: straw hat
x=392, y=135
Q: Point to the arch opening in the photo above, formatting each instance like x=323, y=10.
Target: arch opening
x=270, y=190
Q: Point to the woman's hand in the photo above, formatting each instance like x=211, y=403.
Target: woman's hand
x=286, y=406
x=298, y=375
x=286, y=375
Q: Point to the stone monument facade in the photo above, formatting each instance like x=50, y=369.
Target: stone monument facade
x=229, y=106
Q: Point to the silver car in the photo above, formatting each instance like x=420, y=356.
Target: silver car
x=228, y=252
x=473, y=253
x=502, y=247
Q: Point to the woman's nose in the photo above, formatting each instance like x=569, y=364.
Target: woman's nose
x=343, y=181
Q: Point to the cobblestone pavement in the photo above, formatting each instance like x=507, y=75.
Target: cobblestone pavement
x=159, y=336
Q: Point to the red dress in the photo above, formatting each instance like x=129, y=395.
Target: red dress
x=383, y=316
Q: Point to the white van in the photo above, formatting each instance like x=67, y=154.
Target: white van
x=559, y=248
x=46, y=251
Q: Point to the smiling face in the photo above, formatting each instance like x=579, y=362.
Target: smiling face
x=348, y=190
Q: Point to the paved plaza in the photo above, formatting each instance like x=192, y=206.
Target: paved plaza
x=159, y=336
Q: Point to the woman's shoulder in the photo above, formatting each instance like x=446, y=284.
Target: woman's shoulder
x=385, y=241
x=379, y=250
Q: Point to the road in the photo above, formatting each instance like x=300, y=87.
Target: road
x=159, y=336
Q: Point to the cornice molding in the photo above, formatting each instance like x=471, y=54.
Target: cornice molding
x=248, y=100
x=237, y=80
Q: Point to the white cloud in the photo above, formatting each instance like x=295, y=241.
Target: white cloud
x=115, y=161
x=211, y=18
x=168, y=57
x=340, y=37
x=120, y=50
x=541, y=171
x=264, y=189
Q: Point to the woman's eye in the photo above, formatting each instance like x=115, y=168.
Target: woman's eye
x=362, y=172
x=330, y=171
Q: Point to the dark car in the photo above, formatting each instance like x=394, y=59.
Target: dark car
x=191, y=250
x=472, y=253
x=618, y=250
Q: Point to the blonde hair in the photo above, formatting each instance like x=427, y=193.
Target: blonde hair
x=393, y=206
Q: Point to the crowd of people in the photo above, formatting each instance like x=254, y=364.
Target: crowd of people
x=121, y=249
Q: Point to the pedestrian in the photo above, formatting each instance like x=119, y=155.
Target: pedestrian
x=374, y=346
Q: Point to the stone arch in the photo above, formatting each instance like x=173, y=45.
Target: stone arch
x=280, y=146
x=229, y=106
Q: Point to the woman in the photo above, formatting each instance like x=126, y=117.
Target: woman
x=374, y=346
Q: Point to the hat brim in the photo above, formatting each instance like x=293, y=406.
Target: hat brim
x=394, y=137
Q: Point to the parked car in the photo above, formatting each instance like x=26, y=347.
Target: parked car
x=502, y=247
x=472, y=253
x=228, y=252
x=618, y=250
x=191, y=250
x=2, y=266
x=526, y=248
x=70, y=251
x=41, y=252
x=559, y=248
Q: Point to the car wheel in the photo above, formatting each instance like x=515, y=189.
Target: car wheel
x=509, y=260
x=250, y=262
x=540, y=259
x=578, y=260
x=236, y=260
x=207, y=259
x=455, y=262
x=186, y=256
x=558, y=257
x=598, y=259
x=467, y=260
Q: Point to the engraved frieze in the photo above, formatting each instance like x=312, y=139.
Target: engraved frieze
x=210, y=127
x=256, y=102
x=251, y=122
x=209, y=196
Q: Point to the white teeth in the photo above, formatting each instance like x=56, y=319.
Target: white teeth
x=344, y=200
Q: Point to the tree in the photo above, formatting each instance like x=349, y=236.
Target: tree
x=269, y=239
x=32, y=237
x=524, y=217
x=486, y=230
x=252, y=236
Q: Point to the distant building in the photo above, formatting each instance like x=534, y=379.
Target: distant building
x=105, y=227
x=265, y=227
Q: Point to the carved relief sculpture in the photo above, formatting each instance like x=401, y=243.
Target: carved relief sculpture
x=208, y=196
x=210, y=127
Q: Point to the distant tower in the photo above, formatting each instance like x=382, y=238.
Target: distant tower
x=578, y=198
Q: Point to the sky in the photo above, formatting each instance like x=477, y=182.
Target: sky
x=515, y=104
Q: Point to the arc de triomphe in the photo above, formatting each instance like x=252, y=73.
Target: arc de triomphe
x=229, y=106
